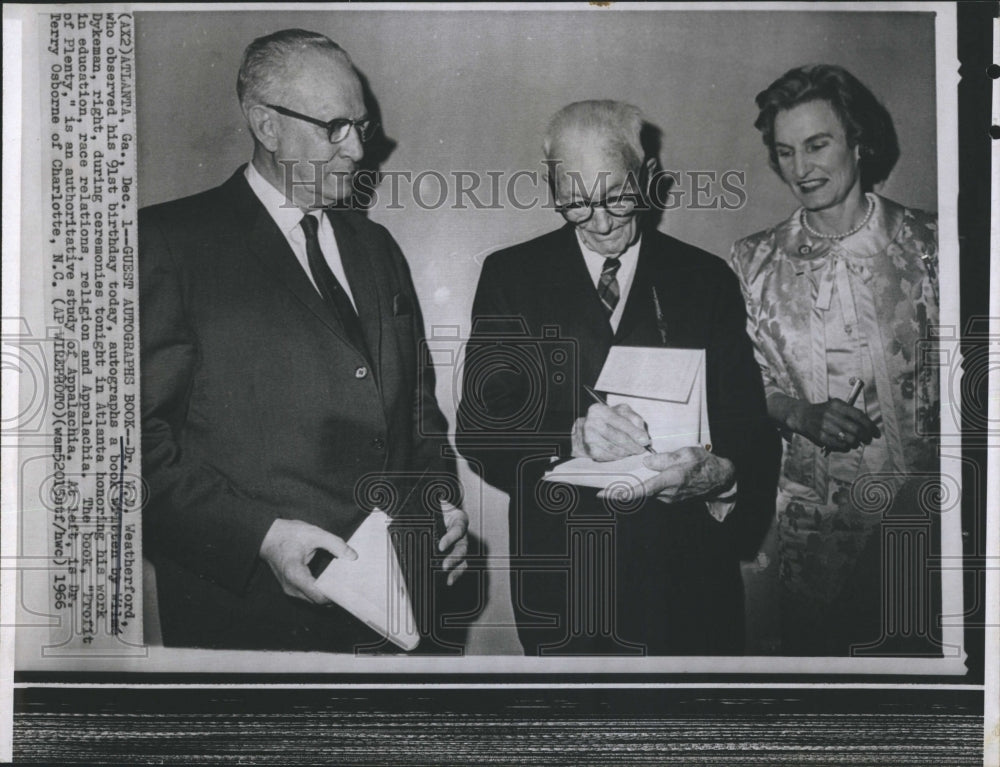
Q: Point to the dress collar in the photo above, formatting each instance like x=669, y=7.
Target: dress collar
x=872, y=240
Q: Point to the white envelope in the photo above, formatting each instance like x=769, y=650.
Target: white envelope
x=664, y=386
x=372, y=587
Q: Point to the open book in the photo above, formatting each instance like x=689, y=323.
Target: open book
x=372, y=587
x=664, y=386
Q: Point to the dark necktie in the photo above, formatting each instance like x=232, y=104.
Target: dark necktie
x=607, y=288
x=330, y=287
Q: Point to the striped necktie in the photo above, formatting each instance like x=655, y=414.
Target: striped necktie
x=607, y=288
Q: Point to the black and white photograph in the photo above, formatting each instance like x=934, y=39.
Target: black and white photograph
x=558, y=383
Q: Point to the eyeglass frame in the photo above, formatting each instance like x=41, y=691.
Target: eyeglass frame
x=638, y=199
x=366, y=128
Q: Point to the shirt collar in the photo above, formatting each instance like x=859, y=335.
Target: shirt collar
x=288, y=218
x=630, y=255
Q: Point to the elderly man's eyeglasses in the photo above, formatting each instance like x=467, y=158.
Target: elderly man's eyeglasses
x=337, y=129
x=619, y=206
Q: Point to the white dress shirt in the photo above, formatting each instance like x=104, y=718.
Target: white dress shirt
x=289, y=221
x=625, y=275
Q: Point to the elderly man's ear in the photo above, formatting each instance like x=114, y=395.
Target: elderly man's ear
x=651, y=165
x=264, y=126
x=549, y=174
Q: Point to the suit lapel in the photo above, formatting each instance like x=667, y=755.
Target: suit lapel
x=268, y=245
x=360, y=267
x=584, y=318
x=659, y=273
x=640, y=307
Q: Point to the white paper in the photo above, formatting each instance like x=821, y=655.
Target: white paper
x=372, y=587
x=653, y=372
x=664, y=386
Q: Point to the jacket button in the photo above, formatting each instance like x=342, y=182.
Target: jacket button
x=361, y=372
x=378, y=443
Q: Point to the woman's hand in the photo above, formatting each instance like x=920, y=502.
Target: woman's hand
x=833, y=424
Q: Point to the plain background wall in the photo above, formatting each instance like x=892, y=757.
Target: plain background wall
x=473, y=90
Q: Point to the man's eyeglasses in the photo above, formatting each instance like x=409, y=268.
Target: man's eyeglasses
x=619, y=206
x=337, y=129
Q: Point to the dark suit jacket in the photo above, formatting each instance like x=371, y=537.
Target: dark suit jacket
x=256, y=407
x=540, y=334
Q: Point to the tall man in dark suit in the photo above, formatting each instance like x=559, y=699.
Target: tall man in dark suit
x=280, y=387
x=654, y=574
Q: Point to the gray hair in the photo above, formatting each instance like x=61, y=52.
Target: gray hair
x=265, y=64
x=618, y=123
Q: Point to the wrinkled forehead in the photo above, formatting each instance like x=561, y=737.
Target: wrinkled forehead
x=325, y=82
x=589, y=160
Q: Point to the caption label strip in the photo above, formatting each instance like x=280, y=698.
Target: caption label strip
x=96, y=491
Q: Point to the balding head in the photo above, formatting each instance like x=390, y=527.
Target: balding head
x=596, y=169
x=612, y=126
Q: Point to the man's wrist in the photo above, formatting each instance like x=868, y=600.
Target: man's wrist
x=577, y=448
x=728, y=470
x=727, y=496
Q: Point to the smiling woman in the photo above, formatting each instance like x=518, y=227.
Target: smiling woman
x=819, y=165
x=838, y=297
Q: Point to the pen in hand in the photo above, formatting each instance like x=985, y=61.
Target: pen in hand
x=601, y=401
x=856, y=386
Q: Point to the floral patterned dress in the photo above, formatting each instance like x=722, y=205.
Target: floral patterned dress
x=822, y=312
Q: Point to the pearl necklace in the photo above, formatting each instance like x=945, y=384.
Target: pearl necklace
x=843, y=235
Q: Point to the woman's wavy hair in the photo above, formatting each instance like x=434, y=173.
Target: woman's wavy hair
x=866, y=122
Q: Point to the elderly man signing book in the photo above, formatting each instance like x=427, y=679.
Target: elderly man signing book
x=650, y=573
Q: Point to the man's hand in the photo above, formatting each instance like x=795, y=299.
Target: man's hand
x=287, y=549
x=609, y=433
x=691, y=472
x=833, y=424
x=456, y=524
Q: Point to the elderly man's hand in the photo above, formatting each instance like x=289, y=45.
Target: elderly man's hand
x=455, y=538
x=691, y=472
x=287, y=548
x=609, y=433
